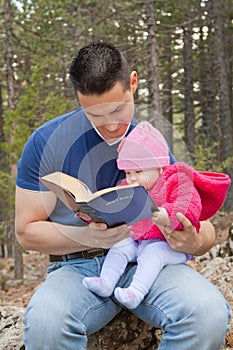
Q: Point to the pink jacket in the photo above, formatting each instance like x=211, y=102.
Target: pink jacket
x=180, y=188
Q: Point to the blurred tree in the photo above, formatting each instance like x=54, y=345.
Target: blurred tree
x=182, y=52
x=9, y=59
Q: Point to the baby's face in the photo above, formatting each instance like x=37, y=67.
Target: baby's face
x=146, y=178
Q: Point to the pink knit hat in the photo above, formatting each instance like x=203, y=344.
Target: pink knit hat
x=143, y=149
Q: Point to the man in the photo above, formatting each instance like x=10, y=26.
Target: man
x=83, y=143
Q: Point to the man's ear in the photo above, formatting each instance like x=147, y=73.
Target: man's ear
x=133, y=81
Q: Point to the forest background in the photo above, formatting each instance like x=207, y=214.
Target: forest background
x=182, y=51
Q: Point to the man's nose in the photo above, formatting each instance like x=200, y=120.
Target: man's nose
x=111, y=126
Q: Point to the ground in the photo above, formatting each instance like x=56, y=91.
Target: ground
x=18, y=292
x=216, y=266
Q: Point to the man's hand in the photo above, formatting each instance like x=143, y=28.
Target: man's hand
x=35, y=232
x=188, y=240
x=97, y=235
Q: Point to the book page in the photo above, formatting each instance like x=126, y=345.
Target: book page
x=78, y=189
x=109, y=189
x=75, y=187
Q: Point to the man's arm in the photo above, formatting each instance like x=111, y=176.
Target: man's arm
x=188, y=240
x=34, y=232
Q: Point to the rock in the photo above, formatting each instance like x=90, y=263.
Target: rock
x=227, y=247
x=125, y=332
x=219, y=272
x=11, y=328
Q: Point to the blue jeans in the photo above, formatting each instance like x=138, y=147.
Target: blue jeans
x=62, y=312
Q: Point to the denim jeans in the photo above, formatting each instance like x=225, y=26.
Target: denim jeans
x=63, y=313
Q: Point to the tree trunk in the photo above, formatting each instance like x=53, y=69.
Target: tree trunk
x=225, y=94
x=12, y=105
x=208, y=108
x=189, y=115
x=167, y=104
x=153, y=67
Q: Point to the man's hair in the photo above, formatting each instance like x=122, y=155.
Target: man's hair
x=97, y=67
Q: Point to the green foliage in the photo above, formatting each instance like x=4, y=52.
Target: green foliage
x=206, y=160
x=47, y=34
x=7, y=197
x=31, y=112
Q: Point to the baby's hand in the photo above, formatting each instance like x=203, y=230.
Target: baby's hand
x=161, y=217
x=83, y=216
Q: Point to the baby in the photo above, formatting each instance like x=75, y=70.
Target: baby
x=144, y=156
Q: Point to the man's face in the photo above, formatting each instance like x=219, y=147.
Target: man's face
x=110, y=112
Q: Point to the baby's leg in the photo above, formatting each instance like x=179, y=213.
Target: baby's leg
x=153, y=256
x=114, y=266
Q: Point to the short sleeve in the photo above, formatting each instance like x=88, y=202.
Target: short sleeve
x=29, y=164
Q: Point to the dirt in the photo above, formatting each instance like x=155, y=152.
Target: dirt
x=18, y=292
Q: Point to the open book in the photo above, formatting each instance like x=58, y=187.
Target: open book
x=114, y=205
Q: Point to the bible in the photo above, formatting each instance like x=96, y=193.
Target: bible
x=114, y=205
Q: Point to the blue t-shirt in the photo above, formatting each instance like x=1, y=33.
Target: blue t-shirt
x=70, y=144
